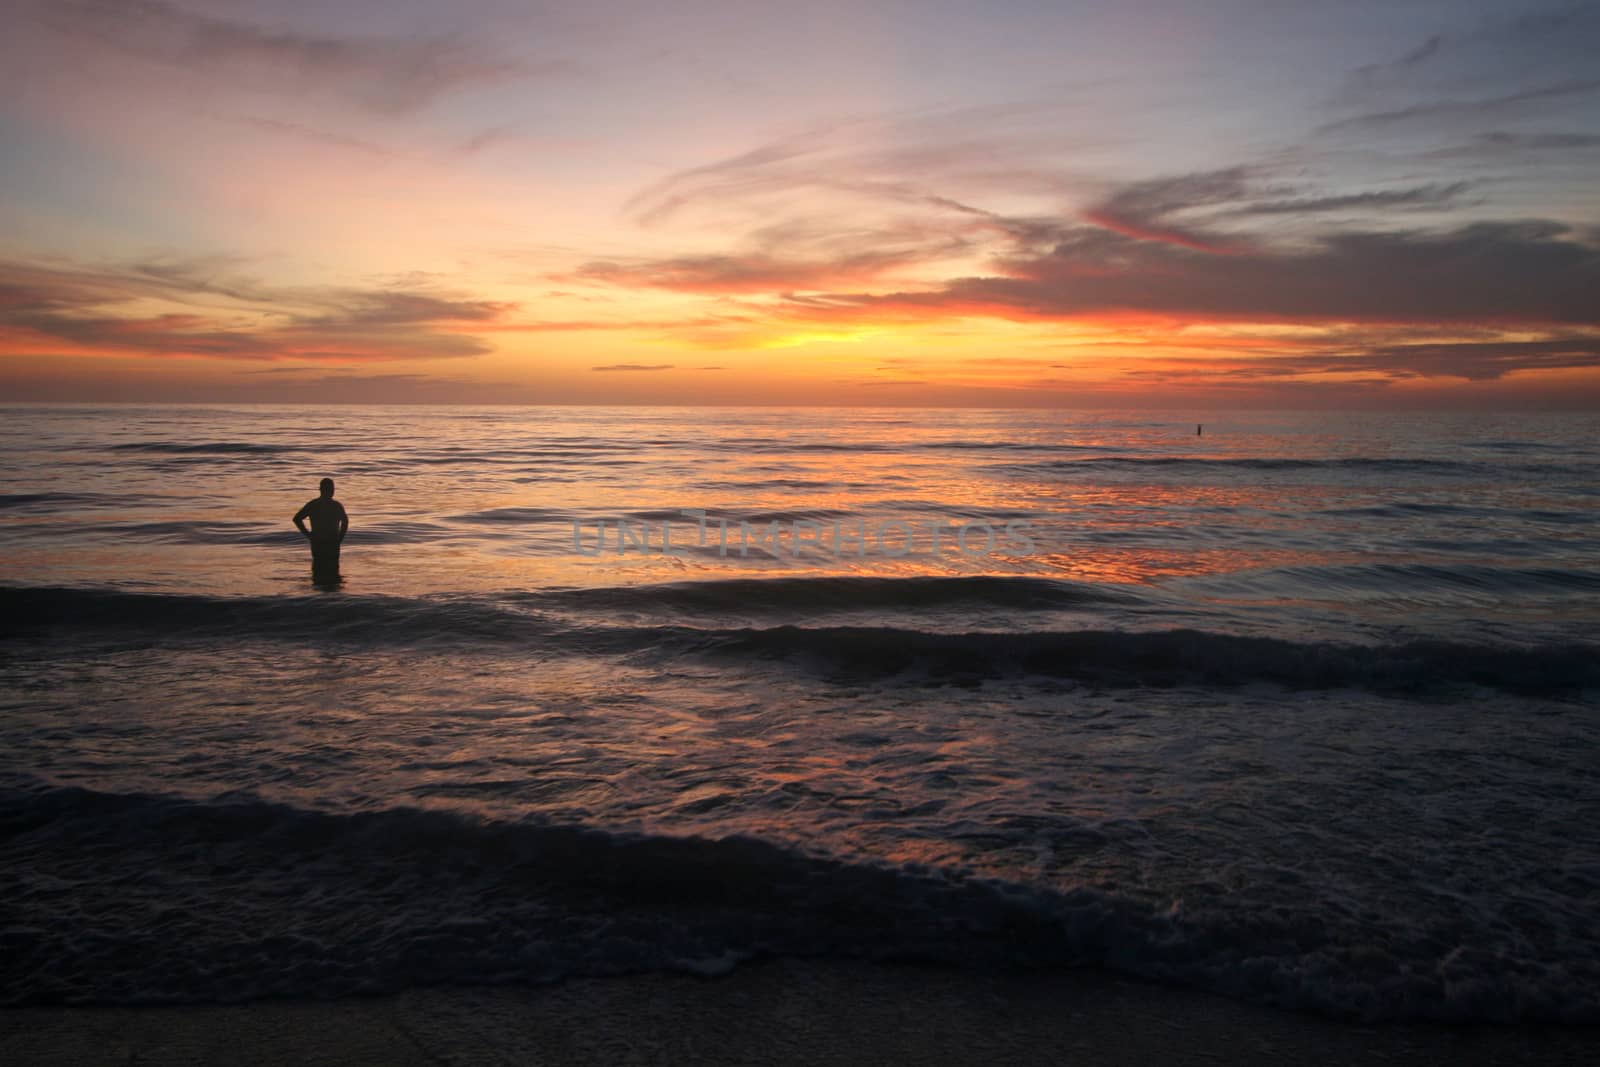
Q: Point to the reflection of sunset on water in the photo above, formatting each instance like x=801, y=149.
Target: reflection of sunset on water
x=490, y=500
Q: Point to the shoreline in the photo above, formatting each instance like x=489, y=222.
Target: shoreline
x=773, y=1011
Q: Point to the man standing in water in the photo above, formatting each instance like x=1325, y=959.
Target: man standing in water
x=328, y=526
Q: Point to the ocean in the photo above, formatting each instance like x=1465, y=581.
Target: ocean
x=1303, y=709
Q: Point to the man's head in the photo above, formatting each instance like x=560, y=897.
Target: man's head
x=327, y=487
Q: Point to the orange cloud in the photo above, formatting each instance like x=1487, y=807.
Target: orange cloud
x=86, y=312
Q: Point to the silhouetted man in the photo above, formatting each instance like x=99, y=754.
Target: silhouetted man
x=328, y=526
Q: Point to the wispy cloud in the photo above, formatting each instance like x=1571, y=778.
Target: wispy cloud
x=745, y=273
x=1558, y=42
x=633, y=367
x=1151, y=210
x=1482, y=107
x=1503, y=66
x=303, y=132
x=1151, y=247
x=1429, y=197
x=1506, y=145
x=102, y=310
x=388, y=74
x=1187, y=210
x=885, y=229
x=927, y=163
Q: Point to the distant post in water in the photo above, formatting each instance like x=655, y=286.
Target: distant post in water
x=1197, y=428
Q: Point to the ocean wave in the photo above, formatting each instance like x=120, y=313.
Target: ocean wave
x=232, y=899
x=519, y=617
x=222, y=532
x=1008, y=446
x=214, y=448
x=164, y=617
x=782, y=446
x=50, y=503
x=791, y=484
x=513, y=516
x=1386, y=465
x=1098, y=657
x=1565, y=449
x=779, y=596
x=1167, y=658
x=1412, y=509
x=1398, y=581
x=588, y=521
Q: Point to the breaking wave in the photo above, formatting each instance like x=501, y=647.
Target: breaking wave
x=235, y=898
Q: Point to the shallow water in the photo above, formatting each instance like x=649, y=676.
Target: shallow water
x=1301, y=710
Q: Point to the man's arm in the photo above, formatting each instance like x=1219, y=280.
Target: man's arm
x=300, y=519
x=344, y=522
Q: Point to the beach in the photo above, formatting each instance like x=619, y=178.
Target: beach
x=782, y=1012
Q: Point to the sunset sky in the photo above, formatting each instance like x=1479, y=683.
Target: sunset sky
x=1237, y=203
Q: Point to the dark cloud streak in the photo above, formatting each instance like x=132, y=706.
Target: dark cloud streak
x=1433, y=196
x=1479, y=107
x=1476, y=361
x=1531, y=273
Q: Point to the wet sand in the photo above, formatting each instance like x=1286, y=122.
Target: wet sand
x=782, y=1011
